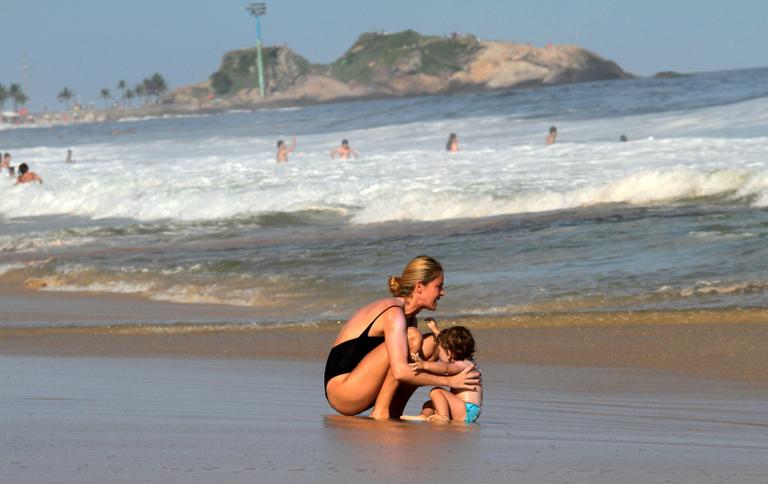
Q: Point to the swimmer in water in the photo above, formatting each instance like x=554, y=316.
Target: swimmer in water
x=552, y=137
x=26, y=176
x=453, y=143
x=344, y=151
x=283, y=150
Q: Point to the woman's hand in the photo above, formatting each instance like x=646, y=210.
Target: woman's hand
x=468, y=379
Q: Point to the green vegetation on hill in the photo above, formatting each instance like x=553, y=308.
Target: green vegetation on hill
x=374, y=58
x=376, y=55
x=400, y=63
x=239, y=70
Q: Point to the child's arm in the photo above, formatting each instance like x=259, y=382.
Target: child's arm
x=429, y=345
x=432, y=325
x=438, y=367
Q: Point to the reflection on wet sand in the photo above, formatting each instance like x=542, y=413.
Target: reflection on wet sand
x=395, y=446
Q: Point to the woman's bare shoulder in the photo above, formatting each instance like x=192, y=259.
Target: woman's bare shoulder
x=364, y=316
x=376, y=307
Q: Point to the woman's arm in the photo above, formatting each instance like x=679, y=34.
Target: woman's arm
x=438, y=367
x=396, y=341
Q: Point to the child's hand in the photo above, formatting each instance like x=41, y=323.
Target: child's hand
x=432, y=325
x=418, y=363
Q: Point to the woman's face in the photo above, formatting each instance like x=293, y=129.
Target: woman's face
x=431, y=292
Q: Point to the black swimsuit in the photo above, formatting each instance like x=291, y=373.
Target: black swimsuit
x=345, y=356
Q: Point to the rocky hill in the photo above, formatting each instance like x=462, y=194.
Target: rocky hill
x=397, y=64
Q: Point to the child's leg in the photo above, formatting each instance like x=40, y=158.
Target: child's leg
x=432, y=325
x=428, y=409
x=440, y=402
x=429, y=346
x=456, y=404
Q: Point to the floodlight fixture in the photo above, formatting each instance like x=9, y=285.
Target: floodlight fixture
x=258, y=10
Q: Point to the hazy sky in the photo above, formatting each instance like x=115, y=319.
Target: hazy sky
x=90, y=44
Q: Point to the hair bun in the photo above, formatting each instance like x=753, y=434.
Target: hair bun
x=394, y=285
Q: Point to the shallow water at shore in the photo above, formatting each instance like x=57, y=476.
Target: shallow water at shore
x=589, y=260
x=194, y=210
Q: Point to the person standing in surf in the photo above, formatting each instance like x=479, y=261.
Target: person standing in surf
x=26, y=176
x=552, y=136
x=453, y=143
x=368, y=365
x=283, y=150
x=344, y=151
x=5, y=163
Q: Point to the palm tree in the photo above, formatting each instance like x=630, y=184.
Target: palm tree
x=17, y=96
x=158, y=84
x=20, y=99
x=65, y=95
x=3, y=96
x=106, y=96
x=122, y=86
x=129, y=95
x=140, y=92
x=146, y=85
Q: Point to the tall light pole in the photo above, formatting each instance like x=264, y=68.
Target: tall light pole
x=257, y=10
x=25, y=74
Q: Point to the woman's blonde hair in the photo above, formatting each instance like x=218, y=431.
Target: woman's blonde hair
x=422, y=269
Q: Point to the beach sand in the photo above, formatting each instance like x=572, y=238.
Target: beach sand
x=580, y=403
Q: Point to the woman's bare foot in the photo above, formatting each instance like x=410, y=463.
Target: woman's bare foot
x=438, y=419
x=414, y=417
x=380, y=414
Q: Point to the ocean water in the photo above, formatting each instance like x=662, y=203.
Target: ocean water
x=194, y=209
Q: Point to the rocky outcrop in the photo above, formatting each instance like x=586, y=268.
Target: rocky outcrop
x=399, y=64
x=669, y=75
x=502, y=65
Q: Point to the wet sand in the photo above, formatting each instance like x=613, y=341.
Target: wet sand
x=182, y=420
x=729, y=351
x=579, y=400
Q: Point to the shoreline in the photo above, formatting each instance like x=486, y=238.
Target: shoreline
x=723, y=344
x=720, y=344
x=720, y=351
x=225, y=105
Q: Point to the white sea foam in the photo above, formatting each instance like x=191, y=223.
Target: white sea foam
x=403, y=172
x=129, y=119
x=120, y=287
x=5, y=268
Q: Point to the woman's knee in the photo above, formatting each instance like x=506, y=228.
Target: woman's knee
x=414, y=340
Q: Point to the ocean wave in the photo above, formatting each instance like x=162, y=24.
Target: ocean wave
x=403, y=172
x=201, y=203
x=131, y=119
x=167, y=329
x=640, y=188
x=227, y=282
x=720, y=288
x=157, y=289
